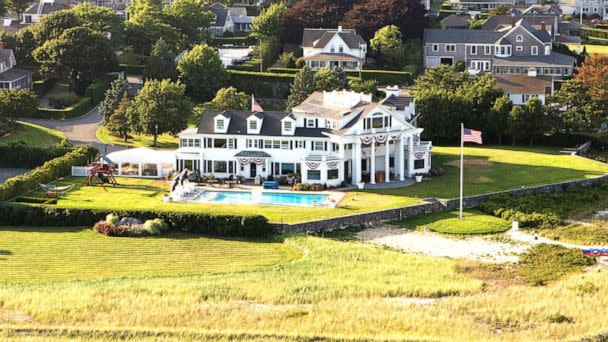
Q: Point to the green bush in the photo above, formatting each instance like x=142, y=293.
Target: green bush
x=61, y=101
x=19, y=154
x=80, y=108
x=96, y=91
x=384, y=77
x=195, y=222
x=49, y=171
x=155, y=226
x=262, y=84
x=543, y=262
x=588, y=32
x=18, y=103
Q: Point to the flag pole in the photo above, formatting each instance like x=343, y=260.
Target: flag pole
x=461, y=165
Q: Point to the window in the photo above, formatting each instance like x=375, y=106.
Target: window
x=419, y=164
x=377, y=122
x=276, y=144
x=534, y=50
x=220, y=143
x=519, y=38
x=300, y=144
x=219, y=166
x=340, y=49
x=231, y=143
x=473, y=49
x=220, y=124
x=332, y=174
x=487, y=50
x=231, y=167
x=435, y=47
x=314, y=175
x=287, y=168
x=332, y=49
x=318, y=146
x=310, y=123
x=285, y=145
x=450, y=47
x=335, y=147
x=287, y=126
x=519, y=48
x=197, y=143
x=149, y=170
x=253, y=125
x=129, y=169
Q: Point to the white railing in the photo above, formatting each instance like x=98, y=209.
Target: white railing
x=80, y=171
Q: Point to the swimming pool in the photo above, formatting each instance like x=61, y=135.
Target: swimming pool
x=275, y=198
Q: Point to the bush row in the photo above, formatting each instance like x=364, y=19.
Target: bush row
x=262, y=84
x=202, y=223
x=23, y=155
x=594, y=32
x=78, y=109
x=239, y=41
x=385, y=77
x=97, y=91
x=51, y=170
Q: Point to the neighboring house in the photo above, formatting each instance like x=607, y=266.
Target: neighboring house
x=537, y=9
x=330, y=138
x=587, y=7
x=455, y=21
x=118, y=6
x=333, y=47
x=11, y=77
x=521, y=88
x=229, y=19
x=520, y=50
x=561, y=31
x=479, y=5
x=41, y=8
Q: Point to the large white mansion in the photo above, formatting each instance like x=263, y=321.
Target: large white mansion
x=329, y=138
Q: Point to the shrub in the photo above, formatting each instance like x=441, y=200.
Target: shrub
x=18, y=103
x=543, y=262
x=112, y=219
x=63, y=100
x=96, y=91
x=262, y=84
x=19, y=154
x=78, y=109
x=287, y=60
x=109, y=229
x=155, y=227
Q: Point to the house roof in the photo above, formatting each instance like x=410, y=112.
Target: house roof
x=333, y=56
x=461, y=36
x=314, y=105
x=399, y=102
x=319, y=37
x=253, y=154
x=551, y=60
x=221, y=12
x=43, y=7
x=271, y=124
x=14, y=74
x=455, y=20
x=5, y=56
x=542, y=35
x=566, y=39
x=522, y=84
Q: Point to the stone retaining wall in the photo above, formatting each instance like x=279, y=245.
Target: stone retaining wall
x=427, y=207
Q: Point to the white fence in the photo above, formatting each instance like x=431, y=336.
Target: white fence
x=80, y=171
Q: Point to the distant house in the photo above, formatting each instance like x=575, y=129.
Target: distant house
x=41, y=8
x=479, y=5
x=118, y=6
x=455, y=21
x=229, y=19
x=587, y=7
x=11, y=77
x=333, y=47
x=521, y=88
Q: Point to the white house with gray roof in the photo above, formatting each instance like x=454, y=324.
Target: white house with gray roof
x=330, y=138
x=11, y=77
x=229, y=19
x=333, y=47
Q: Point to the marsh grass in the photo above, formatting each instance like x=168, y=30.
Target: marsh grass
x=543, y=262
x=448, y=222
x=594, y=233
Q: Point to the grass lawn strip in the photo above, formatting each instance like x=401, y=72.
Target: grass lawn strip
x=473, y=222
x=34, y=135
x=137, y=140
x=591, y=48
x=594, y=233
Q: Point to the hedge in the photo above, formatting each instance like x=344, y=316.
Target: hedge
x=203, y=223
x=132, y=69
x=594, y=32
x=49, y=171
x=237, y=41
x=262, y=84
x=78, y=109
x=97, y=91
x=23, y=155
x=385, y=77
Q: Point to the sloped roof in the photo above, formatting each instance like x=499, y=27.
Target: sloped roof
x=522, y=84
x=461, y=36
x=552, y=60
x=455, y=20
x=399, y=102
x=221, y=12
x=5, y=56
x=14, y=74
x=42, y=7
x=321, y=36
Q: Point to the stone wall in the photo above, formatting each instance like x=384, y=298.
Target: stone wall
x=427, y=207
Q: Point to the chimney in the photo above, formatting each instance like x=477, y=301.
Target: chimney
x=392, y=90
x=543, y=27
x=339, y=28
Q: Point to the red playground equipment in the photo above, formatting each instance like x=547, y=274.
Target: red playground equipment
x=102, y=171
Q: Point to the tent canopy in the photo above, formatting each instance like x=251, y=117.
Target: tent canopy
x=142, y=155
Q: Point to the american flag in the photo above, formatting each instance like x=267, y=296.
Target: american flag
x=255, y=107
x=471, y=135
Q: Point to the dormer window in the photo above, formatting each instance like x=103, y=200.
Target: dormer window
x=253, y=125
x=519, y=38
x=287, y=126
x=220, y=124
x=310, y=123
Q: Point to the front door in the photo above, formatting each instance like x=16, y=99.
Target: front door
x=253, y=168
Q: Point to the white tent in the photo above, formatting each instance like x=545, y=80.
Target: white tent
x=143, y=162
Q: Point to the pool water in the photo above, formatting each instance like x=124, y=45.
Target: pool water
x=276, y=198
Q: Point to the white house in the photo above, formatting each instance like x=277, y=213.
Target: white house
x=10, y=76
x=521, y=88
x=41, y=8
x=330, y=138
x=333, y=47
x=229, y=19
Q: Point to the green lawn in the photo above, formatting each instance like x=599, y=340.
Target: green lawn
x=591, y=48
x=137, y=140
x=34, y=135
x=596, y=233
x=472, y=222
x=37, y=254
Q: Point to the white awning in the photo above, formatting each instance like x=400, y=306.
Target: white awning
x=143, y=155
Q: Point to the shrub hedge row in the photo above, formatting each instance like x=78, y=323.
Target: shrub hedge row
x=262, y=84
x=385, y=77
x=202, y=223
x=78, y=109
x=23, y=155
x=51, y=170
x=594, y=32
x=239, y=41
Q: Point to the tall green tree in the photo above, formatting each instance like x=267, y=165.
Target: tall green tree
x=202, y=70
x=578, y=111
x=54, y=25
x=189, y=17
x=24, y=46
x=78, y=54
x=112, y=98
x=330, y=79
x=160, y=107
x=441, y=76
x=269, y=22
x=303, y=85
x=162, y=62
x=100, y=19
x=229, y=99
x=387, y=43
x=16, y=6
x=119, y=121
x=363, y=86
x=20, y=102
x=497, y=121
x=527, y=122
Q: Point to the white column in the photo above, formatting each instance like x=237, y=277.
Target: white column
x=401, y=159
x=341, y=176
x=323, y=169
x=372, y=176
x=410, y=156
x=268, y=170
x=387, y=149
x=357, y=161
x=304, y=171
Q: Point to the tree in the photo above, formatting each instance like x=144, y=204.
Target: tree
x=499, y=10
x=441, y=76
x=202, y=70
x=20, y=102
x=119, y=121
x=269, y=23
x=303, y=85
x=189, y=17
x=310, y=13
x=330, y=79
x=3, y=8
x=497, y=121
x=112, y=98
x=162, y=62
x=363, y=86
x=100, y=19
x=229, y=99
x=528, y=121
x=16, y=6
x=24, y=46
x=147, y=24
x=442, y=111
x=579, y=112
x=78, y=54
x=592, y=74
x=160, y=107
x=54, y=25
x=387, y=42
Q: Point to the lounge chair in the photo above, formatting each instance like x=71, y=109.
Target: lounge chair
x=270, y=185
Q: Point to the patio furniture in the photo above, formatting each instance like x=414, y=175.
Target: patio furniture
x=231, y=183
x=212, y=181
x=270, y=185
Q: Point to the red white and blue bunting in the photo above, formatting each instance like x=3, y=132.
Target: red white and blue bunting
x=312, y=165
x=419, y=155
x=259, y=161
x=366, y=140
x=381, y=139
x=244, y=161
x=332, y=165
x=396, y=138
